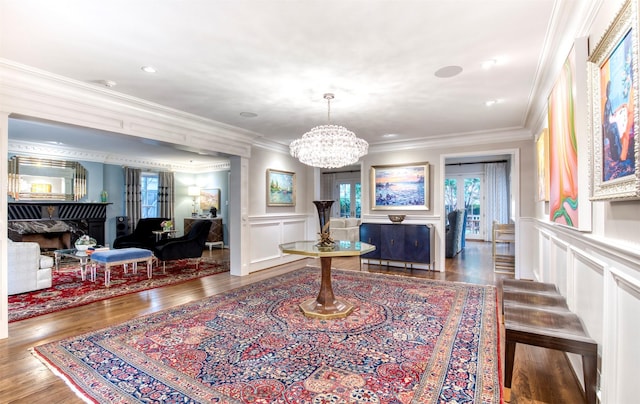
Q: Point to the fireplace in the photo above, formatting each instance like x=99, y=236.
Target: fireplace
x=56, y=225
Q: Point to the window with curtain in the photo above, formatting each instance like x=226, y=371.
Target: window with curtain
x=149, y=194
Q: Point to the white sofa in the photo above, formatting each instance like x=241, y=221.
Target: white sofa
x=342, y=228
x=27, y=269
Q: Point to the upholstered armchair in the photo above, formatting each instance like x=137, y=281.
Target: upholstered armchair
x=455, y=233
x=142, y=236
x=188, y=246
x=27, y=270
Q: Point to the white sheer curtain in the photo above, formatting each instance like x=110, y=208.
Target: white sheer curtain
x=497, y=192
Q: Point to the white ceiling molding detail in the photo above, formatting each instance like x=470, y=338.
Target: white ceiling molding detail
x=458, y=140
x=70, y=153
x=38, y=94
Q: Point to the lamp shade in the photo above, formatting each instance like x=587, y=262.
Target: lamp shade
x=193, y=191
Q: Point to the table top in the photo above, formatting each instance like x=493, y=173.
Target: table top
x=341, y=248
x=72, y=252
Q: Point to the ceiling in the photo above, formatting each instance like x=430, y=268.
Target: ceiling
x=275, y=59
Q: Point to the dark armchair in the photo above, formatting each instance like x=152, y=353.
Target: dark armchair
x=142, y=236
x=455, y=233
x=188, y=246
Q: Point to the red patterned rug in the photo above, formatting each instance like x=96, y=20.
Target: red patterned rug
x=69, y=290
x=408, y=341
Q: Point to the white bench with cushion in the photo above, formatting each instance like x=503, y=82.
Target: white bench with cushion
x=122, y=256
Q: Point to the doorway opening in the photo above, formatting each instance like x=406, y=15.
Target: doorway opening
x=344, y=186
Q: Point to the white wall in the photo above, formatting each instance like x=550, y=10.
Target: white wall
x=270, y=226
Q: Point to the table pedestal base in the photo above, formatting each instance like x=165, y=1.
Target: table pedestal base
x=338, y=309
x=326, y=306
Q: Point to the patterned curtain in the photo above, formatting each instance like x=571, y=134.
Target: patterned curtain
x=497, y=192
x=166, y=195
x=133, y=203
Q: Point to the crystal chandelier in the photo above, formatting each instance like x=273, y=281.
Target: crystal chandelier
x=328, y=146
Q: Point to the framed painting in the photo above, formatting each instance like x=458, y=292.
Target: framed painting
x=281, y=188
x=614, y=90
x=563, y=148
x=210, y=198
x=400, y=187
x=542, y=165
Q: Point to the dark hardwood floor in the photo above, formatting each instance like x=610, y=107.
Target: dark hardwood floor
x=540, y=376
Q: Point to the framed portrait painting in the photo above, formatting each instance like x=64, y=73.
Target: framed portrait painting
x=210, y=198
x=400, y=187
x=614, y=88
x=281, y=188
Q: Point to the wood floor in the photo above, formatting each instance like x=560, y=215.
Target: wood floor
x=540, y=376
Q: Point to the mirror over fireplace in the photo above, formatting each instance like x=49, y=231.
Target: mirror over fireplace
x=35, y=178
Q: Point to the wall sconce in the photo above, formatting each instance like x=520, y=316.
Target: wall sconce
x=194, y=192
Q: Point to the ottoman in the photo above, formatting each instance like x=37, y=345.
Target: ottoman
x=122, y=256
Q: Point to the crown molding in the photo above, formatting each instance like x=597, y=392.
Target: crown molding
x=30, y=92
x=70, y=153
x=458, y=139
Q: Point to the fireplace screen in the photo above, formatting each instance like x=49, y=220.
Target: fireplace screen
x=33, y=178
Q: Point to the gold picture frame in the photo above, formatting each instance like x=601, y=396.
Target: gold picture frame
x=281, y=188
x=615, y=147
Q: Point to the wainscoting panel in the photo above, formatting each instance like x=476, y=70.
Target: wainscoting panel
x=558, y=269
x=268, y=232
x=621, y=351
x=601, y=280
x=586, y=294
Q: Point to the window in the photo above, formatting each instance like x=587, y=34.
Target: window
x=149, y=194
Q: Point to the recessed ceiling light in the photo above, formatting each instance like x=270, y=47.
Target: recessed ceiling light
x=389, y=135
x=148, y=69
x=248, y=114
x=448, y=71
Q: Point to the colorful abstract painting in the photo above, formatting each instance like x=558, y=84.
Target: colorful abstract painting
x=563, y=148
x=617, y=103
x=613, y=71
x=542, y=159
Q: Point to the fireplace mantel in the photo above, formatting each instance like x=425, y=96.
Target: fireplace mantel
x=82, y=217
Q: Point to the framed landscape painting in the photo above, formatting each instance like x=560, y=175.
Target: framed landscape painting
x=210, y=198
x=614, y=78
x=281, y=188
x=400, y=187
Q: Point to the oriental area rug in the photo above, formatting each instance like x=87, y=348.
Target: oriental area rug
x=407, y=341
x=69, y=290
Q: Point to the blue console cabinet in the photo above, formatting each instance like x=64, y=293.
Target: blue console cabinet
x=408, y=243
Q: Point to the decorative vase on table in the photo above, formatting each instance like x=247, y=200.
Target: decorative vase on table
x=85, y=242
x=324, y=215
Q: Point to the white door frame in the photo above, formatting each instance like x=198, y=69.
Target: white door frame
x=514, y=197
